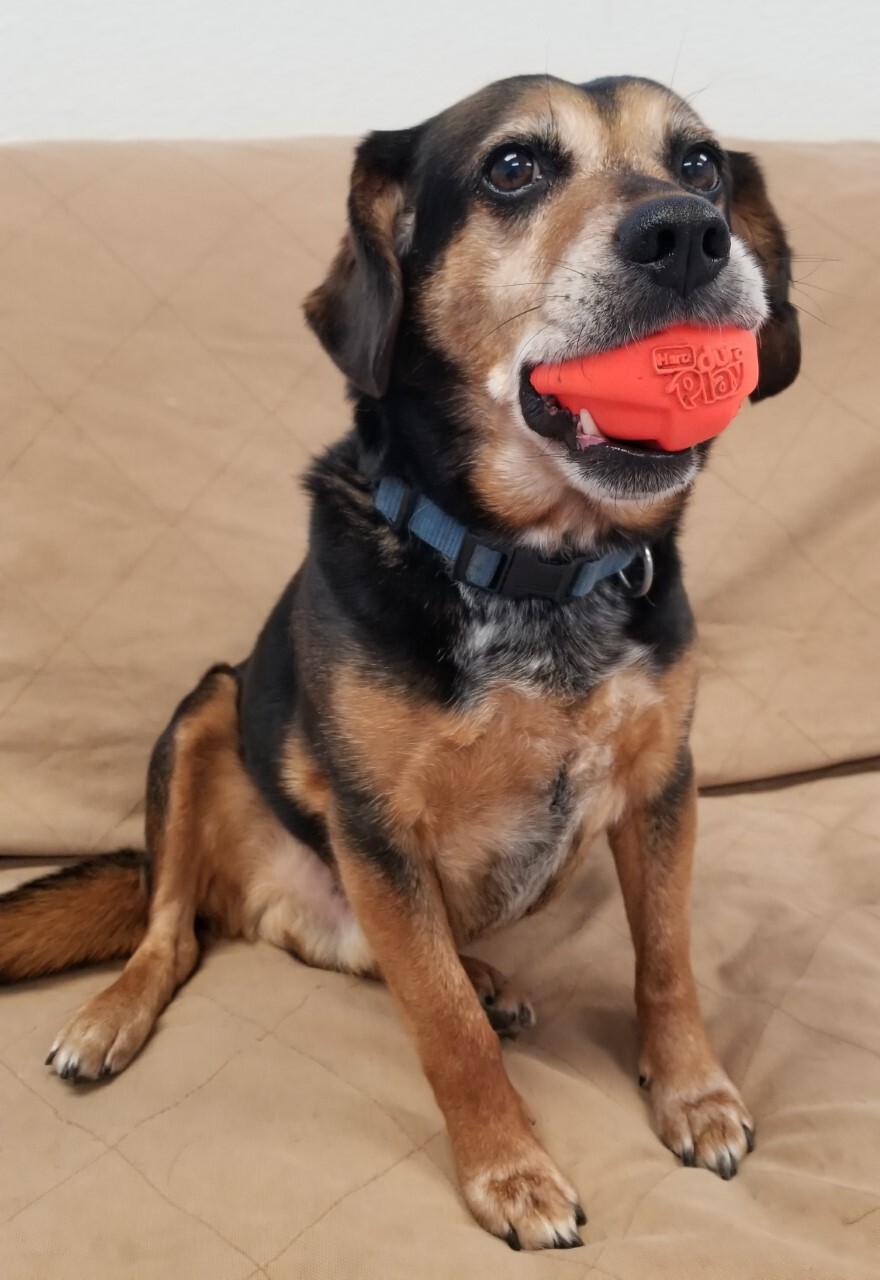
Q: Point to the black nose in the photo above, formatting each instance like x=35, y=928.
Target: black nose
x=681, y=241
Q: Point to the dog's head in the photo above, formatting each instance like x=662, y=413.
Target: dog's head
x=534, y=222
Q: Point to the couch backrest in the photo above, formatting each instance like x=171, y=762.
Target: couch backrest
x=159, y=393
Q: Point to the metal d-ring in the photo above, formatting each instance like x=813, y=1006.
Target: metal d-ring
x=647, y=574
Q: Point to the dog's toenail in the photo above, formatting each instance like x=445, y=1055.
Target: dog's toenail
x=563, y=1242
x=644, y=1081
x=51, y=1057
x=513, y=1239
x=750, y=1137
x=580, y=1216
x=688, y=1158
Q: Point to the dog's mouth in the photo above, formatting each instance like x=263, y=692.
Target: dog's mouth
x=618, y=469
x=544, y=415
x=587, y=443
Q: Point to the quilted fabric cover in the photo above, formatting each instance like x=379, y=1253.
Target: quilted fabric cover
x=159, y=395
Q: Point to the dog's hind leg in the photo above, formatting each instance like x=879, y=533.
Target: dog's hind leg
x=183, y=835
x=507, y=1008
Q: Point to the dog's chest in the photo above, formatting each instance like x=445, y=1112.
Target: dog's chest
x=507, y=794
x=500, y=792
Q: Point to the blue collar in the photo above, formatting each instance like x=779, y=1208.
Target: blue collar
x=516, y=572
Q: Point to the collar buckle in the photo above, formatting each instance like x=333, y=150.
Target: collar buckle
x=524, y=573
x=520, y=572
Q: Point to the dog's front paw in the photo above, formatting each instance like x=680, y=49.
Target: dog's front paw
x=526, y=1201
x=703, y=1120
x=100, y=1040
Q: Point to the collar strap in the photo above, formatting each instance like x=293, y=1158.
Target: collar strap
x=515, y=572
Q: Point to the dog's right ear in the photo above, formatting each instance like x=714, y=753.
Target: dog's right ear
x=754, y=218
x=356, y=311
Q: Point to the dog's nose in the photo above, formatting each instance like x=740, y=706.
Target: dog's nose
x=680, y=241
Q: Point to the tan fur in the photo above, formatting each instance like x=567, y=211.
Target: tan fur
x=505, y=1174
x=218, y=851
x=87, y=918
x=486, y=304
x=637, y=131
x=699, y=1113
x=517, y=477
x=458, y=788
x=463, y=797
x=303, y=778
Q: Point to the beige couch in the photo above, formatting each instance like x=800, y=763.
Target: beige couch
x=159, y=395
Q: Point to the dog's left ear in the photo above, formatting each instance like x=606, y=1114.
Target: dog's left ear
x=356, y=311
x=753, y=217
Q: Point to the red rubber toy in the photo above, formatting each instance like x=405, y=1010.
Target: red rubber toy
x=670, y=391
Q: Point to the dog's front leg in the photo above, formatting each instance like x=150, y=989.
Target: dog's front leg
x=510, y=1184
x=698, y=1111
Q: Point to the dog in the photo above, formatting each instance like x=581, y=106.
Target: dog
x=487, y=657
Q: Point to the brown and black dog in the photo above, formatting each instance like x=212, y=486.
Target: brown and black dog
x=458, y=691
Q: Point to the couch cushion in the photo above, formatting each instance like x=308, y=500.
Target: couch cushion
x=782, y=537
x=278, y=1118
x=159, y=394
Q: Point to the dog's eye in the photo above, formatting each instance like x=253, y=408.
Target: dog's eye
x=511, y=169
x=699, y=170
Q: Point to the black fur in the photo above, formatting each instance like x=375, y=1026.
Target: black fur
x=386, y=602
x=272, y=699
x=81, y=869
x=665, y=810
x=779, y=342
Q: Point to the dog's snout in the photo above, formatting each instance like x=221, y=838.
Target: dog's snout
x=681, y=241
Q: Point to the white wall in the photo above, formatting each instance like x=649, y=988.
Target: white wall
x=246, y=68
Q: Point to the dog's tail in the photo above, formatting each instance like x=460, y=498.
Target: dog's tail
x=92, y=911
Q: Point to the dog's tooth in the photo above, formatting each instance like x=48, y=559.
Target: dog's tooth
x=587, y=431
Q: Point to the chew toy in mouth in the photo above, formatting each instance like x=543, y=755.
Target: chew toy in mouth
x=669, y=391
